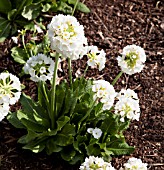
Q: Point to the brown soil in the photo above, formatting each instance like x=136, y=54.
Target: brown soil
x=111, y=25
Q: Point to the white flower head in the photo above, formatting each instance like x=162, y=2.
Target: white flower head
x=96, y=58
x=40, y=68
x=67, y=36
x=132, y=60
x=127, y=105
x=134, y=164
x=105, y=92
x=97, y=163
x=38, y=29
x=15, y=39
x=10, y=88
x=4, y=109
x=95, y=132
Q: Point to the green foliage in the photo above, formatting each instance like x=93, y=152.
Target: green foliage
x=69, y=138
x=17, y=13
x=21, y=55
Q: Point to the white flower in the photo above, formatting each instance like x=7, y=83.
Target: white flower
x=97, y=163
x=38, y=29
x=15, y=39
x=132, y=60
x=105, y=92
x=127, y=105
x=67, y=36
x=96, y=57
x=95, y=132
x=10, y=88
x=134, y=164
x=4, y=109
x=40, y=68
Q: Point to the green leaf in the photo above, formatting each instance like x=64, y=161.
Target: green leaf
x=93, y=150
x=19, y=55
x=68, y=153
x=11, y=14
x=46, y=7
x=13, y=119
x=52, y=147
x=35, y=147
x=63, y=140
x=119, y=148
x=4, y=29
x=82, y=7
x=31, y=11
x=68, y=129
x=110, y=125
x=29, y=137
x=31, y=125
x=32, y=108
x=61, y=122
x=5, y=6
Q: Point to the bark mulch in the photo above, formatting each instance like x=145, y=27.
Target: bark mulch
x=111, y=25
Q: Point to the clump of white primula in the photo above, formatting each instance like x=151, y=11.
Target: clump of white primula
x=10, y=91
x=40, y=68
x=105, y=92
x=96, y=163
x=127, y=105
x=10, y=88
x=134, y=164
x=96, y=58
x=67, y=36
x=132, y=60
x=95, y=132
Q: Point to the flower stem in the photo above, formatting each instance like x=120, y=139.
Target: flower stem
x=85, y=71
x=117, y=77
x=88, y=113
x=70, y=71
x=53, y=112
x=24, y=44
x=75, y=7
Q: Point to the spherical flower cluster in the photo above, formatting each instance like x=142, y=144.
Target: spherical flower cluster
x=10, y=91
x=134, y=164
x=95, y=132
x=105, y=92
x=132, y=60
x=96, y=163
x=67, y=36
x=96, y=57
x=40, y=68
x=127, y=105
x=10, y=88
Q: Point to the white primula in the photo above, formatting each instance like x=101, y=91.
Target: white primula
x=96, y=163
x=10, y=88
x=105, y=92
x=4, y=109
x=132, y=60
x=67, y=36
x=96, y=57
x=127, y=105
x=38, y=29
x=40, y=68
x=134, y=164
x=95, y=132
x=128, y=93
